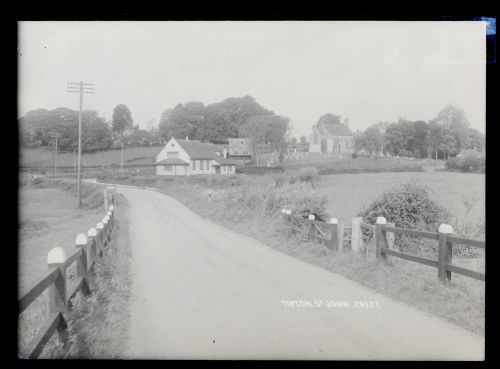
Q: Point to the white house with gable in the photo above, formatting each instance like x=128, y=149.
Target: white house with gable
x=188, y=157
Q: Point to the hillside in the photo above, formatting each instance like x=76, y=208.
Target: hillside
x=42, y=157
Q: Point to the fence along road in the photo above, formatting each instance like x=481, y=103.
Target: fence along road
x=202, y=291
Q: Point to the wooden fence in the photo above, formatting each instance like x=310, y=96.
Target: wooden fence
x=88, y=249
x=383, y=234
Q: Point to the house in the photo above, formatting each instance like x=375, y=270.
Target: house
x=188, y=157
x=331, y=138
x=240, y=150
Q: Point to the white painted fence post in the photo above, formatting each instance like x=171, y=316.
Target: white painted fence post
x=356, y=234
x=91, y=235
x=311, y=227
x=57, y=290
x=380, y=240
x=444, y=252
x=82, y=262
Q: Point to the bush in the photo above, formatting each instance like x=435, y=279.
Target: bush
x=309, y=175
x=469, y=161
x=408, y=206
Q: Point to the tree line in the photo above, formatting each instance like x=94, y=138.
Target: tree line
x=233, y=117
x=448, y=134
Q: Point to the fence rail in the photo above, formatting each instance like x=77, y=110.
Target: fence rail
x=55, y=280
x=383, y=233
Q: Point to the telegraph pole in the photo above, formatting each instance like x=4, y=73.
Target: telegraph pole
x=55, y=135
x=80, y=88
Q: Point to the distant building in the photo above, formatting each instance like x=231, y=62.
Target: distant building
x=240, y=149
x=331, y=138
x=188, y=157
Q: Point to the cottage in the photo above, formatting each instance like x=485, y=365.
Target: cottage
x=240, y=149
x=331, y=138
x=187, y=157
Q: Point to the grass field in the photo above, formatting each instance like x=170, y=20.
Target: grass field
x=349, y=193
x=42, y=157
x=48, y=218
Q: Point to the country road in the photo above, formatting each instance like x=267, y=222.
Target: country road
x=200, y=291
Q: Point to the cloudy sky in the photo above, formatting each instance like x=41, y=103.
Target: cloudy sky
x=365, y=71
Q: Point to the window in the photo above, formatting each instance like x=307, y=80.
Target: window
x=168, y=168
x=208, y=166
x=172, y=154
x=193, y=164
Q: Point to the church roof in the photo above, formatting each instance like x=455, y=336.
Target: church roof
x=334, y=130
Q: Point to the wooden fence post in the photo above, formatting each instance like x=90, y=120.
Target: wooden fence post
x=106, y=200
x=311, y=227
x=100, y=238
x=380, y=237
x=105, y=232
x=389, y=236
x=356, y=234
x=91, y=235
x=444, y=252
x=57, y=291
x=82, y=262
x=334, y=237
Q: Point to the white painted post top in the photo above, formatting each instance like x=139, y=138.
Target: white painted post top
x=445, y=228
x=111, y=207
x=92, y=232
x=56, y=256
x=381, y=220
x=105, y=220
x=81, y=240
x=108, y=214
x=311, y=217
x=283, y=211
x=99, y=225
x=334, y=221
x=289, y=212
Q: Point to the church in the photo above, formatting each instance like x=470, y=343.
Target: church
x=329, y=137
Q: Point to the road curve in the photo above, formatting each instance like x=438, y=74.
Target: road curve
x=200, y=291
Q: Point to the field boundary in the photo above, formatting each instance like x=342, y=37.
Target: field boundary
x=383, y=234
x=88, y=249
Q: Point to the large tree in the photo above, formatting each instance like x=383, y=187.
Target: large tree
x=330, y=119
x=454, y=121
x=370, y=140
x=122, y=119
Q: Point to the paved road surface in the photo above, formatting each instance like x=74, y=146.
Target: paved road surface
x=202, y=291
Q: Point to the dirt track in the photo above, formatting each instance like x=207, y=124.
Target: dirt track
x=202, y=291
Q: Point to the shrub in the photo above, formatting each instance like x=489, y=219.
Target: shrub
x=309, y=175
x=408, y=206
x=469, y=161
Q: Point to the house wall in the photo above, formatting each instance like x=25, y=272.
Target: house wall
x=196, y=166
x=315, y=141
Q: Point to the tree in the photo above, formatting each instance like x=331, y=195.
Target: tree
x=420, y=135
x=184, y=120
x=293, y=141
x=371, y=140
x=330, y=119
x=303, y=139
x=453, y=119
x=266, y=129
x=477, y=139
x=122, y=119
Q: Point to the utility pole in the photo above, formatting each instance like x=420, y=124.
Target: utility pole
x=122, y=156
x=80, y=88
x=55, y=135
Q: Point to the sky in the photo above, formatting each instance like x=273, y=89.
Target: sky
x=364, y=71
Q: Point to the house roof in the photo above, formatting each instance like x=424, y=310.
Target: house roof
x=172, y=161
x=334, y=130
x=199, y=150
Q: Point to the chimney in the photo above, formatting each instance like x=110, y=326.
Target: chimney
x=187, y=138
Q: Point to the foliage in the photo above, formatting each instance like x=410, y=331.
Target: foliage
x=122, y=119
x=468, y=161
x=303, y=139
x=370, y=140
x=408, y=205
x=330, y=119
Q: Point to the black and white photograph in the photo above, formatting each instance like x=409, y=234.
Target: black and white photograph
x=252, y=189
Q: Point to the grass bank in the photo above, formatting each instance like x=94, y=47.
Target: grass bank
x=251, y=204
x=49, y=218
